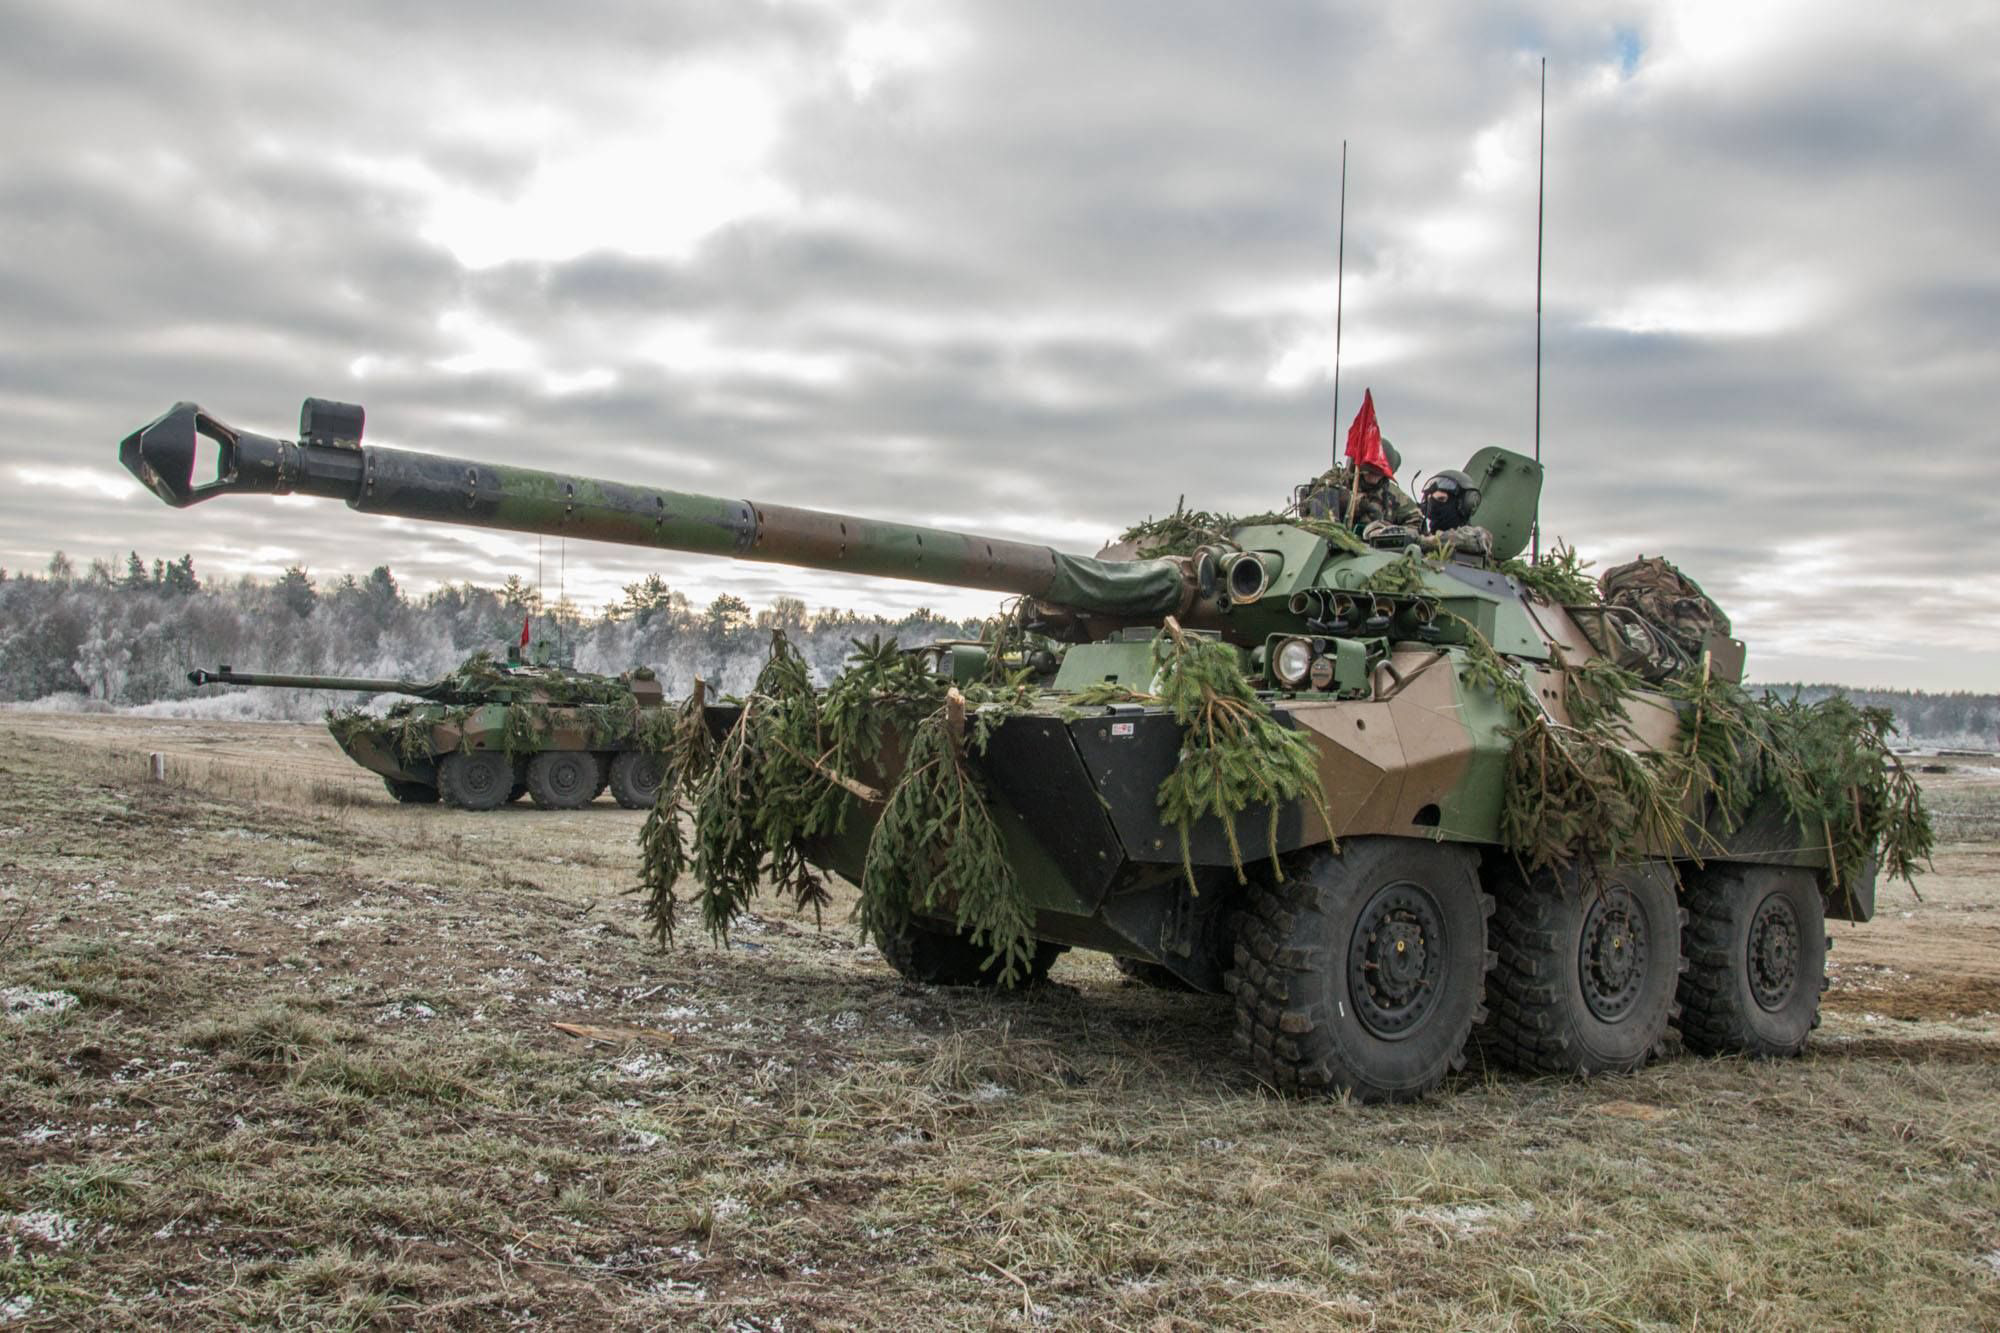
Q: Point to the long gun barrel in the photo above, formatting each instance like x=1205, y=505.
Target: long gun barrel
x=329, y=460
x=278, y=680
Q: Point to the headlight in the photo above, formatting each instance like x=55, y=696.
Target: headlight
x=1292, y=662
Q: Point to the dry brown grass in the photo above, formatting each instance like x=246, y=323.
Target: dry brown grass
x=310, y=1079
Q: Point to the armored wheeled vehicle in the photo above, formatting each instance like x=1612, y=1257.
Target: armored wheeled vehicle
x=1522, y=811
x=490, y=732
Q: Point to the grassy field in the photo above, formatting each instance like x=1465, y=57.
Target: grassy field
x=278, y=1051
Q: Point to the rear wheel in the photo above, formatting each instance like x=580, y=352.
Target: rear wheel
x=1586, y=976
x=562, y=779
x=935, y=957
x=475, y=780
x=1756, y=951
x=635, y=778
x=411, y=793
x=1364, y=971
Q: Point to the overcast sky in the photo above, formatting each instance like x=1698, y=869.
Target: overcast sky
x=1036, y=270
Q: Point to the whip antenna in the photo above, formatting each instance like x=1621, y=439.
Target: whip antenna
x=1339, y=284
x=1541, y=175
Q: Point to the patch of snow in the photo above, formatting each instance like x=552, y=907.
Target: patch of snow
x=1471, y=1219
x=991, y=1092
x=22, y=1004
x=53, y=1228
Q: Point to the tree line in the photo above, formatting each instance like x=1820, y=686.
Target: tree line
x=118, y=635
x=126, y=633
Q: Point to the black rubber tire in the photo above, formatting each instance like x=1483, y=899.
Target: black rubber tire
x=1152, y=975
x=1756, y=951
x=635, y=777
x=940, y=958
x=563, y=779
x=412, y=793
x=1587, y=973
x=476, y=779
x=1307, y=1013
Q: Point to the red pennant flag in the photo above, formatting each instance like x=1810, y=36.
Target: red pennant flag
x=1364, y=437
x=525, y=622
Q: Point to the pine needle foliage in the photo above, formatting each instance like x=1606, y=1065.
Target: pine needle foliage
x=681, y=738
x=1588, y=792
x=790, y=771
x=1235, y=753
x=1561, y=576
x=1186, y=531
x=1829, y=763
x=936, y=850
x=763, y=797
x=1404, y=577
x=1582, y=792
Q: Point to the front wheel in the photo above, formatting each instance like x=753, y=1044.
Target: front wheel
x=933, y=957
x=1363, y=972
x=1756, y=951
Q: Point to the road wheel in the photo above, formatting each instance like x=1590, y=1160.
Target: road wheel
x=934, y=957
x=411, y=793
x=1364, y=971
x=1586, y=975
x=1756, y=961
x=635, y=778
x=562, y=779
x=475, y=780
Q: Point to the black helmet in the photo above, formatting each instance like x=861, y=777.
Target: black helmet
x=1448, y=501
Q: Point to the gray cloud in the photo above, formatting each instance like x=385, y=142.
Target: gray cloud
x=1038, y=268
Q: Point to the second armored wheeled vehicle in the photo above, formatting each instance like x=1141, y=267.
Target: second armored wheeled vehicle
x=490, y=732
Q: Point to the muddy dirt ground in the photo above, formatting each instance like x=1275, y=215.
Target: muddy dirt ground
x=277, y=1050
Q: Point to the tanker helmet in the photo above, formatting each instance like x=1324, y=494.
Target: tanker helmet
x=1395, y=458
x=1449, y=499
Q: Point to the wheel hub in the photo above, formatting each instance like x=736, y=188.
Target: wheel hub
x=1395, y=960
x=1611, y=957
x=481, y=775
x=1774, y=952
